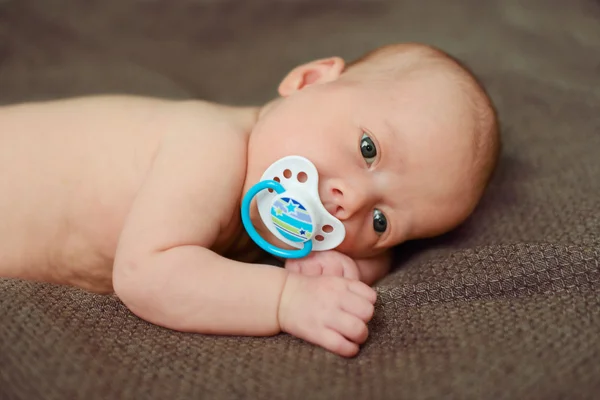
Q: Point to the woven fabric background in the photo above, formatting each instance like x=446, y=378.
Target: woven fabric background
x=505, y=307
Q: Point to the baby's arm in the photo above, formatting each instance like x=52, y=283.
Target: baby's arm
x=334, y=263
x=166, y=273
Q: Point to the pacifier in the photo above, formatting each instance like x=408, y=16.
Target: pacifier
x=289, y=205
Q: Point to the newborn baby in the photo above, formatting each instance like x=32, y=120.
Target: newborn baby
x=142, y=196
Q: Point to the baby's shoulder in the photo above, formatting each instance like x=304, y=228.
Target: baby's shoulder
x=213, y=133
x=211, y=141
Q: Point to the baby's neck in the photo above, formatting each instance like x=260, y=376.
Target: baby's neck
x=262, y=230
x=266, y=107
x=244, y=117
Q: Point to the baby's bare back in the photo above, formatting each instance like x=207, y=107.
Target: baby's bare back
x=69, y=172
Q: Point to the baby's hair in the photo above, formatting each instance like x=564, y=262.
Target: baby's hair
x=399, y=60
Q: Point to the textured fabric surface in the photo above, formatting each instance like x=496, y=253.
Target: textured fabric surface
x=505, y=307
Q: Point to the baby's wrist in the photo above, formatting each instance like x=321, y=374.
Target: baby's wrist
x=289, y=286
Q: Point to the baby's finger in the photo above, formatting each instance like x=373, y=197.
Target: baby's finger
x=350, y=269
x=336, y=343
x=363, y=290
x=351, y=327
x=358, y=306
x=311, y=268
x=333, y=269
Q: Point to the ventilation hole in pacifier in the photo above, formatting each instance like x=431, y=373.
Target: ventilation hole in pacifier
x=327, y=228
x=276, y=179
x=302, y=177
x=287, y=174
x=319, y=238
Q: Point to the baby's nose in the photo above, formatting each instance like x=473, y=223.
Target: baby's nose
x=344, y=201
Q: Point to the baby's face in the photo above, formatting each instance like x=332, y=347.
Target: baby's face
x=393, y=159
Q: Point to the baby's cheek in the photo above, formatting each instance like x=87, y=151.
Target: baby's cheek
x=355, y=245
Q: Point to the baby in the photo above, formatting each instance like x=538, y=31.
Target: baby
x=141, y=197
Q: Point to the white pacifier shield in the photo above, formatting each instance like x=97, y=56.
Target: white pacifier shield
x=300, y=204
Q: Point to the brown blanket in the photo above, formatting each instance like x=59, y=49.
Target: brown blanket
x=506, y=307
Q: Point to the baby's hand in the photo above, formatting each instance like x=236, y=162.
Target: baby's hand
x=330, y=263
x=328, y=311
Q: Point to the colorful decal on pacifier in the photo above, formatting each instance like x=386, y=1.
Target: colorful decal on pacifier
x=291, y=219
x=289, y=205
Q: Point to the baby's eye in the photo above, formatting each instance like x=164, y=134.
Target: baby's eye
x=379, y=222
x=368, y=149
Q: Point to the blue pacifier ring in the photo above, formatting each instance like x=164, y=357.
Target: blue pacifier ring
x=268, y=247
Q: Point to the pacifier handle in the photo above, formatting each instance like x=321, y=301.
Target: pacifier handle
x=274, y=250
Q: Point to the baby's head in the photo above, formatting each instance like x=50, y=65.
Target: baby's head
x=404, y=140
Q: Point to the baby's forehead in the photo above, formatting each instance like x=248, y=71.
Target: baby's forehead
x=420, y=122
x=428, y=99
x=419, y=101
x=415, y=67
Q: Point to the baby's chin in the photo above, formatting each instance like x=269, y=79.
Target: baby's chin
x=357, y=252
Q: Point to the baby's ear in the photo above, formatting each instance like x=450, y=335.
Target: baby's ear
x=314, y=72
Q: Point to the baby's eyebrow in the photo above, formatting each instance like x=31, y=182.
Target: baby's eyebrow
x=391, y=134
x=392, y=143
x=389, y=126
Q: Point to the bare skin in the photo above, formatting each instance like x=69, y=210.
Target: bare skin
x=141, y=197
